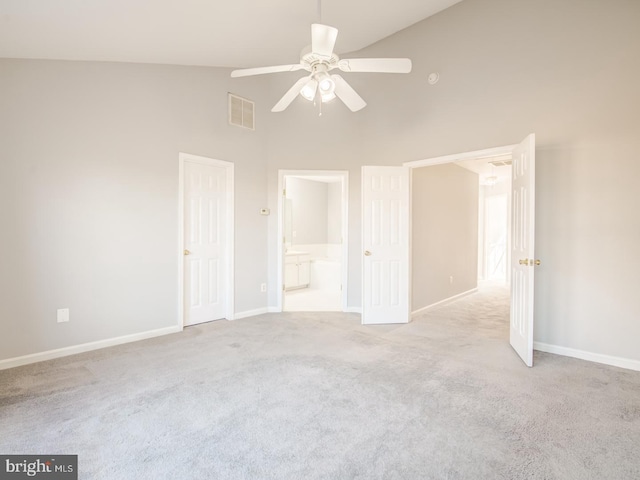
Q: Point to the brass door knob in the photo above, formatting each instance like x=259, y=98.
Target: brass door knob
x=367, y=253
x=538, y=262
x=524, y=262
x=187, y=252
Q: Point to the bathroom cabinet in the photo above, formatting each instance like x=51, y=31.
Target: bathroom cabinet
x=296, y=270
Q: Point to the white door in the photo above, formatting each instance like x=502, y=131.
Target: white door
x=522, y=249
x=205, y=288
x=385, y=241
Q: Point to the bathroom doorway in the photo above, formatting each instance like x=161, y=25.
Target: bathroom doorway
x=313, y=258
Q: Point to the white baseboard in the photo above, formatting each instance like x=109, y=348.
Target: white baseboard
x=590, y=356
x=84, y=347
x=353, y=310
x=250, y=313
x=274, y=310
x=441, y=302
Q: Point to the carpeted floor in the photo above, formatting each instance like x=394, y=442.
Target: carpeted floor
x=318, y=396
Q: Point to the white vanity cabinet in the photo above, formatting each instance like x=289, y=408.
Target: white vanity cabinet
x=296, y=270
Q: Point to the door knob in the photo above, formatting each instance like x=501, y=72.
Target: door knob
x=538, y=262
x=187, y=252
x=524, y=262
x=367, y=253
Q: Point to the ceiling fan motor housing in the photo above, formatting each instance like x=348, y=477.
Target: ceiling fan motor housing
x=310, y=60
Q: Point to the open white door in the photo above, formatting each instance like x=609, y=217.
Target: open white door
x=385, y=240
x=522, y=249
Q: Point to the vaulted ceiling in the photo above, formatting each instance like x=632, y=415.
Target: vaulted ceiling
x=237, y=33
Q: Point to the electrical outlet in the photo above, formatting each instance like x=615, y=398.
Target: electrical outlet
x=63, y=315
x=263, y=287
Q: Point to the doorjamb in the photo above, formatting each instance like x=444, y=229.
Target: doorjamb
x=344, y=266
x=229, y=221
x=456, y=157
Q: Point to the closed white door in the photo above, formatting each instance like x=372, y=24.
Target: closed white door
x=522, y=249
x=385, y=241
x=205, y=289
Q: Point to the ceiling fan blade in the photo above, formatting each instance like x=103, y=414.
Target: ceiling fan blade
x=290, y=96
x=347, y=94
x=247, y=72
x=376, y=65
x=323, y=39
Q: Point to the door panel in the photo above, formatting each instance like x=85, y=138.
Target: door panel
x=385, y=240
x=522, y=249
x=205, y=202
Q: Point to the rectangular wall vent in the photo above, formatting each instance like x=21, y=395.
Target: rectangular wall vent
x=501, y=163
x=241, y=112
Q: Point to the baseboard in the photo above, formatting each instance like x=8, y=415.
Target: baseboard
x=250, y=313
x=441, y=302
x=590, y=356
x=274, y=310
x=84, y=347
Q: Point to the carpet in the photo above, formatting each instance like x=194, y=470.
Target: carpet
x=319, y=396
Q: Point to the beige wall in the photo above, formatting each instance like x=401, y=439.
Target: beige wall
x=565, y=70
x=89, y=195
x=445, y=233
x=88, y=188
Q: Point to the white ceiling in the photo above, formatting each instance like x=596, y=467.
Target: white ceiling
x=235, y=33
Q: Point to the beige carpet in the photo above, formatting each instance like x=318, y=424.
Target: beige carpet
x=318, y=396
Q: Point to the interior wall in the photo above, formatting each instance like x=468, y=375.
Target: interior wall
x=334, y=213
x=444, y=233
x=567, y=71
x=89, y=195
x=300, y=139
x=309, y=203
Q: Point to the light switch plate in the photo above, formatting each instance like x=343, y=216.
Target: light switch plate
x=63, y=315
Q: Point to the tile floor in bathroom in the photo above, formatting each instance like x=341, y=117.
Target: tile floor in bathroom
x=310, y=300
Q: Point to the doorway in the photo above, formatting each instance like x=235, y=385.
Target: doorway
x=521, y=251
x=461, y=229
x=312, y=223
x=205, y=277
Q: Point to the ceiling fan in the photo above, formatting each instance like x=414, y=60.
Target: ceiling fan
x=319, y=59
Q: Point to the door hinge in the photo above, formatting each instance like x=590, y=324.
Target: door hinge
x=284, y=192
x=283, y=287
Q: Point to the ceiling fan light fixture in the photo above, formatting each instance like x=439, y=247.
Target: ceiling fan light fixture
x=325, y=83
x=319, y=59
x=327, y=97
x=309, y=90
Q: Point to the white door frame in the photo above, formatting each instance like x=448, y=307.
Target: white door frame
x=229, y=221
x=456, y=157
x=344, y=265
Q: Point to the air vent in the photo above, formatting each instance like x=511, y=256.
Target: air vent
x=241, y=112
x=501, y=163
